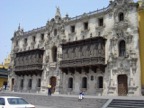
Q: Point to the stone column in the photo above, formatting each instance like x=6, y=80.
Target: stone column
x=18, y=83
x=15, y=83
x=130, y=78
x=34, y=83
x=25, y=83
x=91, y=82
x=61, y=82
x=64, y=80
x=57, y=88
x=77, y=82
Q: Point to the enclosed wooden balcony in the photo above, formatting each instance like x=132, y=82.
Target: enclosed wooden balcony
x=88, y=52
x=29, y=62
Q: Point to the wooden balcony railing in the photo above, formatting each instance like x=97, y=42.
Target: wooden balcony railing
x=82, y=62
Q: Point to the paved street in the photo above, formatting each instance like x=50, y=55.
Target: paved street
x=58, y=101
x=38, y=106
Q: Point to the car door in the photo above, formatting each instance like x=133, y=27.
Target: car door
x=2, y=103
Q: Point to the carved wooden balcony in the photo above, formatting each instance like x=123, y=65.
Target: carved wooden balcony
x=93, y=61
x=28, y=67
x=29, y=62
x=81, y=53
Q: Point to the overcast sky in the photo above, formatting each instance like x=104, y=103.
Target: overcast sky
x=35, y=13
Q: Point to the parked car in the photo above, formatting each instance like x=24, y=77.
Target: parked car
x=14, y=102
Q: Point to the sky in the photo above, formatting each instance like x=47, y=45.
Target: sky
x=32, y=14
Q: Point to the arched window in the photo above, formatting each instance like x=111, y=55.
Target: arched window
x=121, y=16
x=70, y=83
x=54, y=54
x=122, y=48
x=100, y=82
x=84, y=82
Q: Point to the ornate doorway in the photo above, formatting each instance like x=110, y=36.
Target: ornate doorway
x=122, y=85
x=53, y=84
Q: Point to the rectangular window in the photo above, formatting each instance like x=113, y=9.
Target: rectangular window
x=42, y=36
x=30, y=83
x=85, y=25
x=100, y=21
x=16, y=43
x=55, y=32
x=39, y=83
x=100, y=82
x=25, y=40
x=72, y=29
x=21, y=85
x=34, y=38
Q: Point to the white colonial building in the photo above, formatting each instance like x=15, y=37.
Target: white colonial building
x=95, y=52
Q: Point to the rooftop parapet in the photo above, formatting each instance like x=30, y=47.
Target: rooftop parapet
x=34, y=31
x=89, y=14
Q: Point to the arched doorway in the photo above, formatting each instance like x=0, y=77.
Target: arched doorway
x=53, y=84
x=122, y=85
x=12, y=84
x=70, y=83
x=84, y=83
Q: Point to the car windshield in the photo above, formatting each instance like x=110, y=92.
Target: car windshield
x=16, y=101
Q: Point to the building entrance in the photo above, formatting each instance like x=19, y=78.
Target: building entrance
x=12, y=84
x=122, y=85
x=53, y=84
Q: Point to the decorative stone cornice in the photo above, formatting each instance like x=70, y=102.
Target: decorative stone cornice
x=16, y=49
x=85, y=31
x=129, y=39
x=25, y=45
x=100, y=27
x=41, y=42
x=72, y=34
x=121, y=25
x=33, y=43
x=34, y=31
x=86, y=15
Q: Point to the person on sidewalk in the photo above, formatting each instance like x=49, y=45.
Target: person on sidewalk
x=81, y=96
x=49, y=90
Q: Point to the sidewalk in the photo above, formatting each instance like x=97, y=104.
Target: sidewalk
x=86, y=96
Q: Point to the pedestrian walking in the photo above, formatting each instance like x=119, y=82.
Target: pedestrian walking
x=81, y=96
x=49, y=90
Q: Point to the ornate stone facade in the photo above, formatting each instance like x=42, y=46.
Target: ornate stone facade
x=96, y=52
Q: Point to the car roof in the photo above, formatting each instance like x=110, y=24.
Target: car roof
x=9, y=97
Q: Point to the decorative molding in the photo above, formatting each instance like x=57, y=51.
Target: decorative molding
x=25, y=45
x=121, y=25
x=72, y=34
x=100, y=27
x=85, y=31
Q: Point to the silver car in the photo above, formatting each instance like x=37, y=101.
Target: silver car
x=14, y=102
